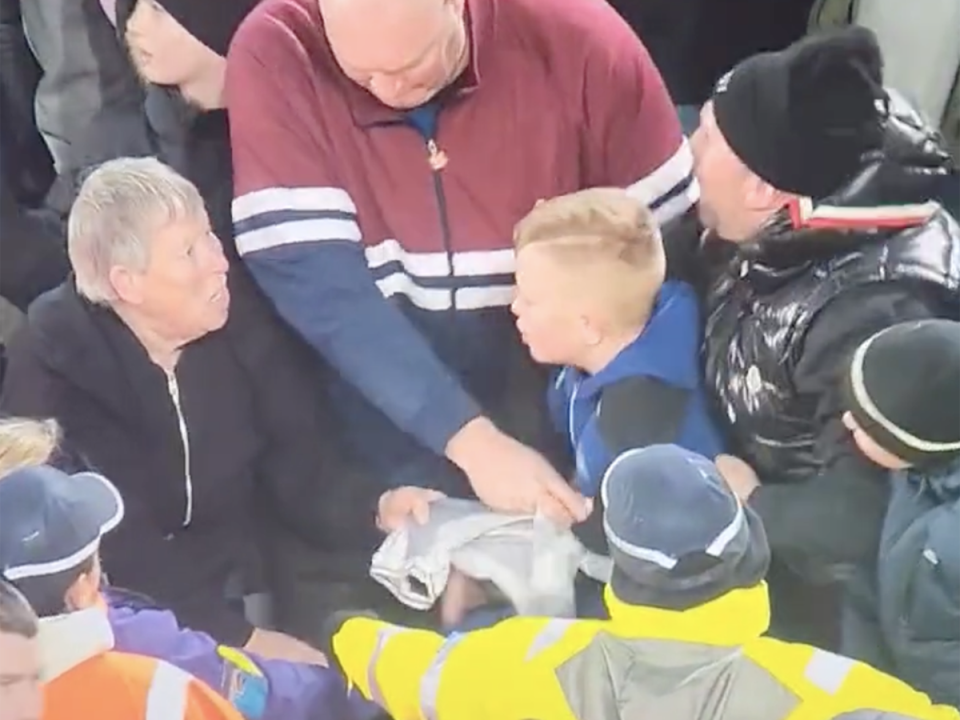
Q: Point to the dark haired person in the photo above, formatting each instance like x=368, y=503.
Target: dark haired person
x=816, y=187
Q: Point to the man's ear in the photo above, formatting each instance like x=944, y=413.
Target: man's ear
x=761, y=196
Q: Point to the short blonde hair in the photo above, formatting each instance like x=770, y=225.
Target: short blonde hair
x=606, y=228
x=25, y=443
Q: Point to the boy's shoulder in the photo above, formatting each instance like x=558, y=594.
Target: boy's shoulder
x=680, y=295
x=641, y=406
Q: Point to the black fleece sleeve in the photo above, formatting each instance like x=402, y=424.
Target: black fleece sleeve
x=33, y=254
x=634, y=413
x=834, y=518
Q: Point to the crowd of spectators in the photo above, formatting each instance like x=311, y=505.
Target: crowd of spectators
x=678, y=281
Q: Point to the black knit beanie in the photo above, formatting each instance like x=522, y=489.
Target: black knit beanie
x=903, y=389
x=803, y=118
x=212, y=22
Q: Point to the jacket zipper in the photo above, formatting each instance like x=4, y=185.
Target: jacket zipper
x=437, y=160
x=174, y=390
x=581, y=461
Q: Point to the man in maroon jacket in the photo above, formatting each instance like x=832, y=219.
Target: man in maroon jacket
x=383, y=152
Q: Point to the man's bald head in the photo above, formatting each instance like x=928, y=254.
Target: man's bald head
x=376, y=5
x=401, y=51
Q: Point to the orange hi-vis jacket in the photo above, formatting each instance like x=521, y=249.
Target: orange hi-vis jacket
x=85, y=678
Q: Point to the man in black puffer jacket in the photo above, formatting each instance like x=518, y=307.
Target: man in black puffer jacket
x=814, y=185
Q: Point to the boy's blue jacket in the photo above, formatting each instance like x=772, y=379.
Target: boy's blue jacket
x=259, y=689
x=651, y=392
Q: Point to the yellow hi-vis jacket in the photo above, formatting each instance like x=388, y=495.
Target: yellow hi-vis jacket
x=708, y=663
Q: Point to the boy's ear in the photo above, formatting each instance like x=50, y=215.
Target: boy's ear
x=592, y=334
x=84, y=592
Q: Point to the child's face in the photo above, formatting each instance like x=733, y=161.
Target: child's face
x=551, y=322
x=873, y=452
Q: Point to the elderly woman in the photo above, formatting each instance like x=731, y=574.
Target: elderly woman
x=193, y=415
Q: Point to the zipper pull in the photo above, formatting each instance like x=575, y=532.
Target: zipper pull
x=435, y=156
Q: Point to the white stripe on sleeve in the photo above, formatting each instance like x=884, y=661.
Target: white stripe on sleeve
x=167, y=696
x=670, y=189
x=274, y=217
x=415, y=276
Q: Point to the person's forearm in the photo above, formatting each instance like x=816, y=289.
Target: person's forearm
x=329, y=298
x=272, y=645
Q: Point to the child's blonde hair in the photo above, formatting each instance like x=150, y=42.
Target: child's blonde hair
x=608, y=230
x=25, y=442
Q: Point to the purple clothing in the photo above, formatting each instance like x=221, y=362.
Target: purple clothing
x=286, y=690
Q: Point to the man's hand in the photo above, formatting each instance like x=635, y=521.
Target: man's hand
x=741, y=478
x=272, y=645
x=461, y=595
x=396, y=507
x=510, y=477
x=557, y=513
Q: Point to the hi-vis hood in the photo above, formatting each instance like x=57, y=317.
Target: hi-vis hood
x=68, y=640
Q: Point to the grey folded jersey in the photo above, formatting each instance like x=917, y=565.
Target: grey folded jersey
x=526, y=558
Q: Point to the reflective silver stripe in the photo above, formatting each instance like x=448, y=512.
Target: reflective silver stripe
x=383, y=636
x=167, y=697
x=548, y=635
x=828, y=671
x=430, y=684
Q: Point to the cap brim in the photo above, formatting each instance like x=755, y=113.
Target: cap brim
x=99, y=500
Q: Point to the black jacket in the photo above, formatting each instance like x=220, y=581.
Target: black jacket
x=255, y=429
x=25, y=156
x=197, y=145
x=33, y=254
x=784, y=313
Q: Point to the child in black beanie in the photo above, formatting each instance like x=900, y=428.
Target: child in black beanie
x=903, y=409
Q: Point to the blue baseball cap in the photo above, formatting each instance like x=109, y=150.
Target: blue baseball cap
x=678, y=536
x=51, y=522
